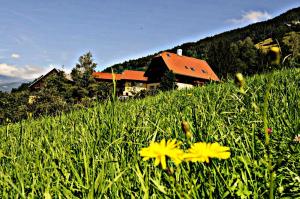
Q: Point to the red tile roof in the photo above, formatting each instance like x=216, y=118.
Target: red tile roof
x=134, y=75
x=188, y=66
x=126, y=75
x=106, y=76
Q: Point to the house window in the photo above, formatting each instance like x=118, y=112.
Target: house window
x=203, y=71
x=168, y=55
x=152, y=87
x=186, y=67
x=193, y=69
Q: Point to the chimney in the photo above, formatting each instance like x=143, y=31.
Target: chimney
x=179, y=52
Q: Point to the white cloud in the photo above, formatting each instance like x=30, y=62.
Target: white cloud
x=26, y=72
x=252, y=17
x=15, y=56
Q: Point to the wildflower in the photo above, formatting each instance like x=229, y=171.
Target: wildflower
x=186, y=129
x=270, y=131
x=275, y=55
x=275, y=49
x=159, y=151
x=297, y=138
x=202, y=151
x=32, y=99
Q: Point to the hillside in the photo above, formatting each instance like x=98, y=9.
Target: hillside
x=93, y=153
x=220, y=61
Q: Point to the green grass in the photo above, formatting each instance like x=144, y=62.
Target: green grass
x=93, y=153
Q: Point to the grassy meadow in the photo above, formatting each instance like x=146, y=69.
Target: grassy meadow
x=94, y=153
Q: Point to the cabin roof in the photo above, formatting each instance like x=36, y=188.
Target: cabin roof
x=188, y=66
x=106, y=76
x=134, y=75
x=126, y=75
x=54, y=70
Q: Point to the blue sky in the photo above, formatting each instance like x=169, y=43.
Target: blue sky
x=36, y=35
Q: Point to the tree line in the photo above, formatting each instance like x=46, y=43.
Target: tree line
x=56, y=95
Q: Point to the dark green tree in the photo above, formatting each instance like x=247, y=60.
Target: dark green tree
x=248, y=56
x=13, y=106
x=84, y=83
x=62, y=85
x=291, y=42
x=168, y=81
x=22, y=87
x=104, y=90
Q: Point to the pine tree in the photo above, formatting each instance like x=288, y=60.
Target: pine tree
x=84, y=82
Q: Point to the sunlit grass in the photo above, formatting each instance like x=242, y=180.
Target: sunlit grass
x=95, y=152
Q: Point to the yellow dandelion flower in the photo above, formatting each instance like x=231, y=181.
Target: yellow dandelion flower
x=159, y=151
x=201, y=152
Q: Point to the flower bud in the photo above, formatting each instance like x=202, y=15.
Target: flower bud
x=270, y=131
x=185, y=126
x=239, y=80
x=239, y=77
x=186, y=129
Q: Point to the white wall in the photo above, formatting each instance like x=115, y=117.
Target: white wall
x=183, y=86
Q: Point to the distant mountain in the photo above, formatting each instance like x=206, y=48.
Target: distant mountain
x=7, y=83
x=9, y=86
x=275, y=28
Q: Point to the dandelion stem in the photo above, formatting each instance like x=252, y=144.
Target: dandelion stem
x=265, y=111
x=210, y=186
x=267, y=136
